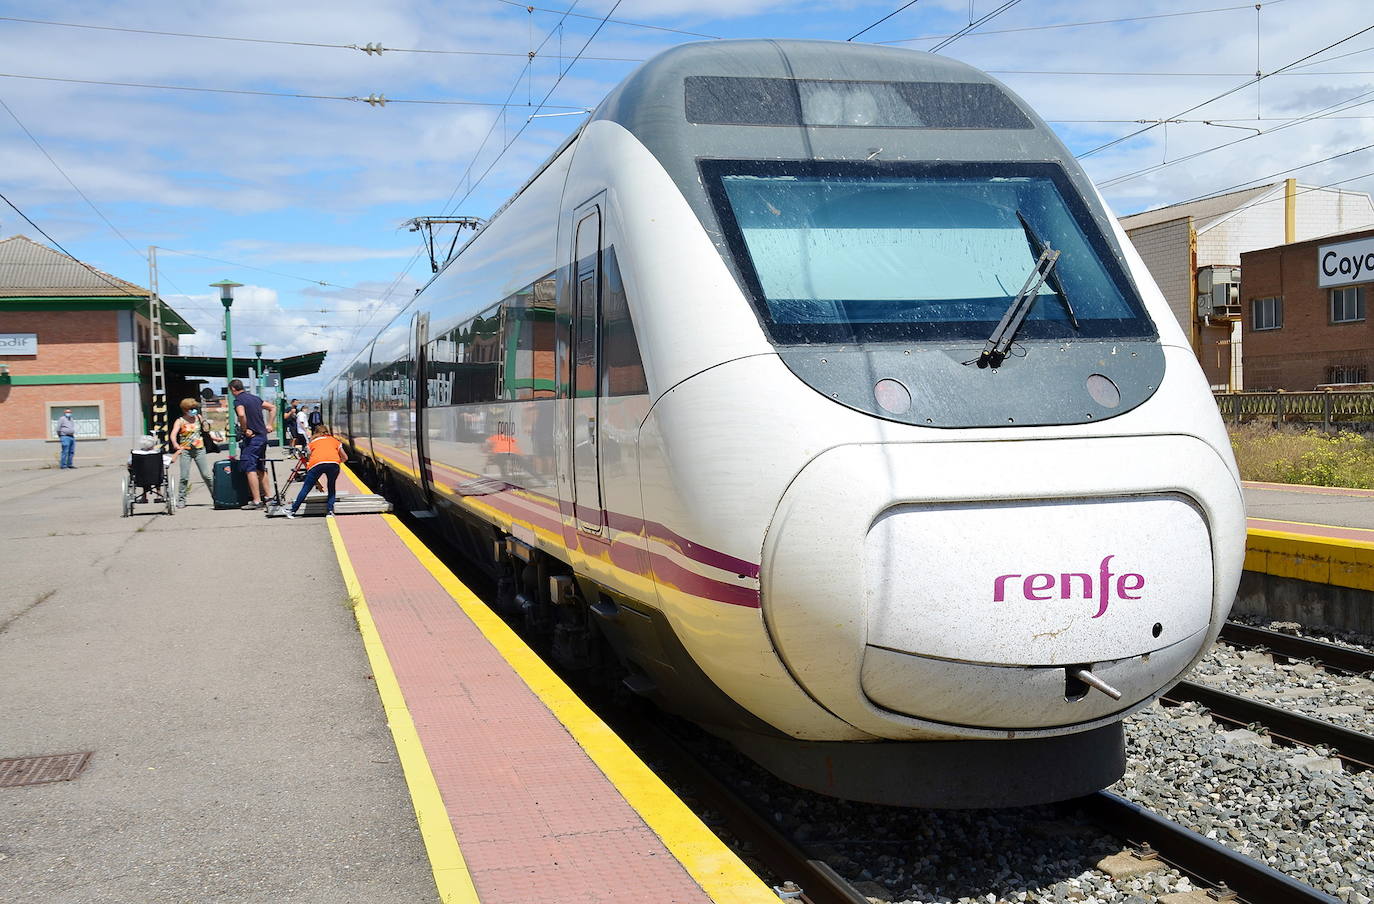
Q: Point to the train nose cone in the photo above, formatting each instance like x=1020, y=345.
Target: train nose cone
x=954, y=589
x=983, y=613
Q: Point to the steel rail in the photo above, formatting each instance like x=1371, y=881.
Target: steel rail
x=1329, y=655
x=1203, y=859
x=818, y=881
x=1353, y=747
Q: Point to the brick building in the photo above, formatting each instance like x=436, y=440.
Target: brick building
x=1305, y=323
x=70, y=337
x=1194, y=252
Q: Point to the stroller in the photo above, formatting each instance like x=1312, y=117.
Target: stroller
x=147, y=473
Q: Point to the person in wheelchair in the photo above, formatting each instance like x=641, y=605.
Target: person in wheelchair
x=146, y=472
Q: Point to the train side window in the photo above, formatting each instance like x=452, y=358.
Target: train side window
x=529, y=341
x=623, y=369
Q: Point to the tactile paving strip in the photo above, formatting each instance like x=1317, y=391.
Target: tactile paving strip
x=36, y=770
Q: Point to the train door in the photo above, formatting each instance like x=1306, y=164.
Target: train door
x=420, y=382
x=586, y=361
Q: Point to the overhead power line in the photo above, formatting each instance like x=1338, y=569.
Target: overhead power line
x=973, y=25
x=371, y=48
x=58, y=245
x=1320, y=113
x=1282, y=172
x=372, y=100
x=882, y=20
x=540, y=9
x=56, y=166
x=1007, y=31
x=1254, y=81
x=543, y=103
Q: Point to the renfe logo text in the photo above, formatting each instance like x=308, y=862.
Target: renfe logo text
x=1046, y=586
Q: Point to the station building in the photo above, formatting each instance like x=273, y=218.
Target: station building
x=1194, y=250
x=71, y=336
x=1306, y=324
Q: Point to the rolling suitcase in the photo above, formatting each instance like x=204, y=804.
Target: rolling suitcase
x=230, y=485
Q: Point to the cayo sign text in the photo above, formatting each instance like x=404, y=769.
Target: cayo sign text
x=1345, y=263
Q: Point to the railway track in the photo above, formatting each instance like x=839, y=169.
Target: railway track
x=1354, y=748
x=1290, y=647
x=1209, y=863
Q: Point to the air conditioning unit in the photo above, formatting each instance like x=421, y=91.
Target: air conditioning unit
x=1218, y=293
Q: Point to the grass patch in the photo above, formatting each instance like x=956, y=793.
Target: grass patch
x=1307, y=457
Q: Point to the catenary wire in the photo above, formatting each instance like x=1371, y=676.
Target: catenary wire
x=882, y=20
x=676, y=31
x=1291, y=169
x=473, y=186
x=58, y=167
x=467, y=171
x=58, y=246
x=1320, y=113
x=369, y=49
x=1254, y=81
x=973, y=26
x=370, y=100
x=1005, y=31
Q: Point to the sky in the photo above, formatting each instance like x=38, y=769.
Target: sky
x=304, y=200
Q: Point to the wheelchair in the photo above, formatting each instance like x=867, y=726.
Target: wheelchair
x=147, y=474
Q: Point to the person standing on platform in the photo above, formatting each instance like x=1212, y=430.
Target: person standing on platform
x=303, y=424
x=289, y=422
x=252, y=413
x=326, y=458
x=66, y=435
x=188, y=443
x=315, y=418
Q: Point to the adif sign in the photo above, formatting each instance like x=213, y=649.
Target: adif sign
x=18, y=344
x=1345, y=263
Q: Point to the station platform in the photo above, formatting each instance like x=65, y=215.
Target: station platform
x=245, y=744
x=1323, y=535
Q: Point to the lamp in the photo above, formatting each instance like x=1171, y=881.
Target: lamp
x=226, y=297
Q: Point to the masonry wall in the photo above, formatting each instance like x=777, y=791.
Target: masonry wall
x=24, y=409
x=69, y=342
x=1164, y=249
x=1298, y=355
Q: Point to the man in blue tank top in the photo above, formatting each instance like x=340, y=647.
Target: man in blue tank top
x=252, y=413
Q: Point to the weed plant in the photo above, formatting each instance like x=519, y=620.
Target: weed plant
x=1307, y=457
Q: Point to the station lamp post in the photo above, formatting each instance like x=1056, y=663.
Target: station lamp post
x=258, y=382
x=226, y=298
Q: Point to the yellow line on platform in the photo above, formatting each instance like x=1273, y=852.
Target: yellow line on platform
x=451, y=876
x=719, y=872
x=1300, y=534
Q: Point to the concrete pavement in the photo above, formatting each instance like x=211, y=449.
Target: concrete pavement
x=1336, y=506
x=240, y=750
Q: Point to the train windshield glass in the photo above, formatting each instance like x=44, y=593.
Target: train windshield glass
x=877, y=252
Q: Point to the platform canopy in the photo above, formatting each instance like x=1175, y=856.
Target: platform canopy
x=209, y=366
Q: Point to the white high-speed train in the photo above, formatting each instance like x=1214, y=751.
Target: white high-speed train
x=818, y=383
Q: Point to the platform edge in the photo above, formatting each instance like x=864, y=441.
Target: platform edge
x=710, y=863
x=451, y=876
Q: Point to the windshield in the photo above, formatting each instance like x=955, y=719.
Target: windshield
x=890, y=252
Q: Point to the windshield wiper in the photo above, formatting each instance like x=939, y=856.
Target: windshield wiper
x=1036, y=246
x=999, y=343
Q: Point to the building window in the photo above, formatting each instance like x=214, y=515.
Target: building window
x=1266, y=313
x=1347, y=305
x=1346, y=373
x=89, y=423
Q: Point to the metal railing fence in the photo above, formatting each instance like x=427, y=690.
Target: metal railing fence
x=1326, y=410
